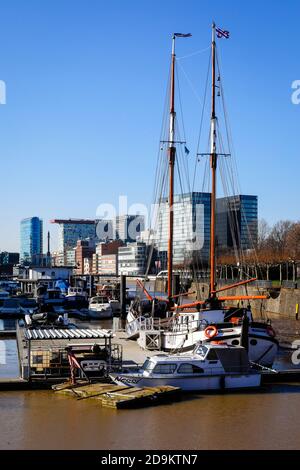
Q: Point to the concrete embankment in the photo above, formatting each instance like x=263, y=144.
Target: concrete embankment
x=281, y=302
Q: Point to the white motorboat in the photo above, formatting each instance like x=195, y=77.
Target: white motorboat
x=100, y=307
x=209, y=367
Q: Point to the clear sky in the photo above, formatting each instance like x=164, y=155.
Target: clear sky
x=86, y=82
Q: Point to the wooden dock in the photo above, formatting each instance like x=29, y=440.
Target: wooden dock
x=120, y=396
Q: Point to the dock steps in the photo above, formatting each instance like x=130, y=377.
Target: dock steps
x=118, y=396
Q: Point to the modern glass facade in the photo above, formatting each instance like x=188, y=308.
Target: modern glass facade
x=69, y=233
x=191, y=233
x=237, y=222
x=31, y=239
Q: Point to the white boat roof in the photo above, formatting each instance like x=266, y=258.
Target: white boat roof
x=192, y=356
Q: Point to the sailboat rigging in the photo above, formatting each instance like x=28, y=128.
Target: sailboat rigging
x=186, y=324
x=172, y=156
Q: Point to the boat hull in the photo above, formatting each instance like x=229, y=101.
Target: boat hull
x=104, y=313
x=192, y=383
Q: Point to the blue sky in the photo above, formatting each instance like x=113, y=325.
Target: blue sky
x=86, y=82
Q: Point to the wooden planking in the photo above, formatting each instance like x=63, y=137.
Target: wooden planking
x=118, y=396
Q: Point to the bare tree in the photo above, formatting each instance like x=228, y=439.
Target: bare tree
x=278, y=238
x=263, y=234
x=293, y=242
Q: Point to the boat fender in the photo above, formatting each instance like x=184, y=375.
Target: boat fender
x=210, y=331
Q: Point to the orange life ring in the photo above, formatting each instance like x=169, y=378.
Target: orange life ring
x=210, y=331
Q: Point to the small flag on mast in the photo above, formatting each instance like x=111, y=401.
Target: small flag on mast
x=182, y=35
x=222, y=33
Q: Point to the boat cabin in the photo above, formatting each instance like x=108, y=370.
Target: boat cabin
x=99, y=300
x=76, y=291
x=206, y=359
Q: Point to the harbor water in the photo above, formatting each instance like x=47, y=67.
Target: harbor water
x=269, y=419
x=265, y=419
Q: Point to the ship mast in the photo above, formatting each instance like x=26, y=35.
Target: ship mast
x=171, y=154
x=213, y=291
x=213, y=165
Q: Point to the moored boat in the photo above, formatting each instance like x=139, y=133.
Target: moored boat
x=76, y=298
x=209, y=367
x=100, y=307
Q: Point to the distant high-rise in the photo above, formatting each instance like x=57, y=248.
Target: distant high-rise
x=191, y=232
x=237, y=222
x=70, y=231
x=31, y=240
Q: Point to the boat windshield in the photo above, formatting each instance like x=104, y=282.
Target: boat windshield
x=201, y=350
x=148, y=365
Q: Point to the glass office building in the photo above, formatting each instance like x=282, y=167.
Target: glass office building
x=31, y=239
x=237, y=222
x=191, y=233
x=69, y=232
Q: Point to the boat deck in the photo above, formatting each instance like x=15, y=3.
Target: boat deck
x=132, y=352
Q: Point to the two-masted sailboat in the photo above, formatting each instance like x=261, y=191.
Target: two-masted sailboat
x=206, y=320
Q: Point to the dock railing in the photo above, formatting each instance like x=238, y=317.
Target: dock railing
x=164, y=324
